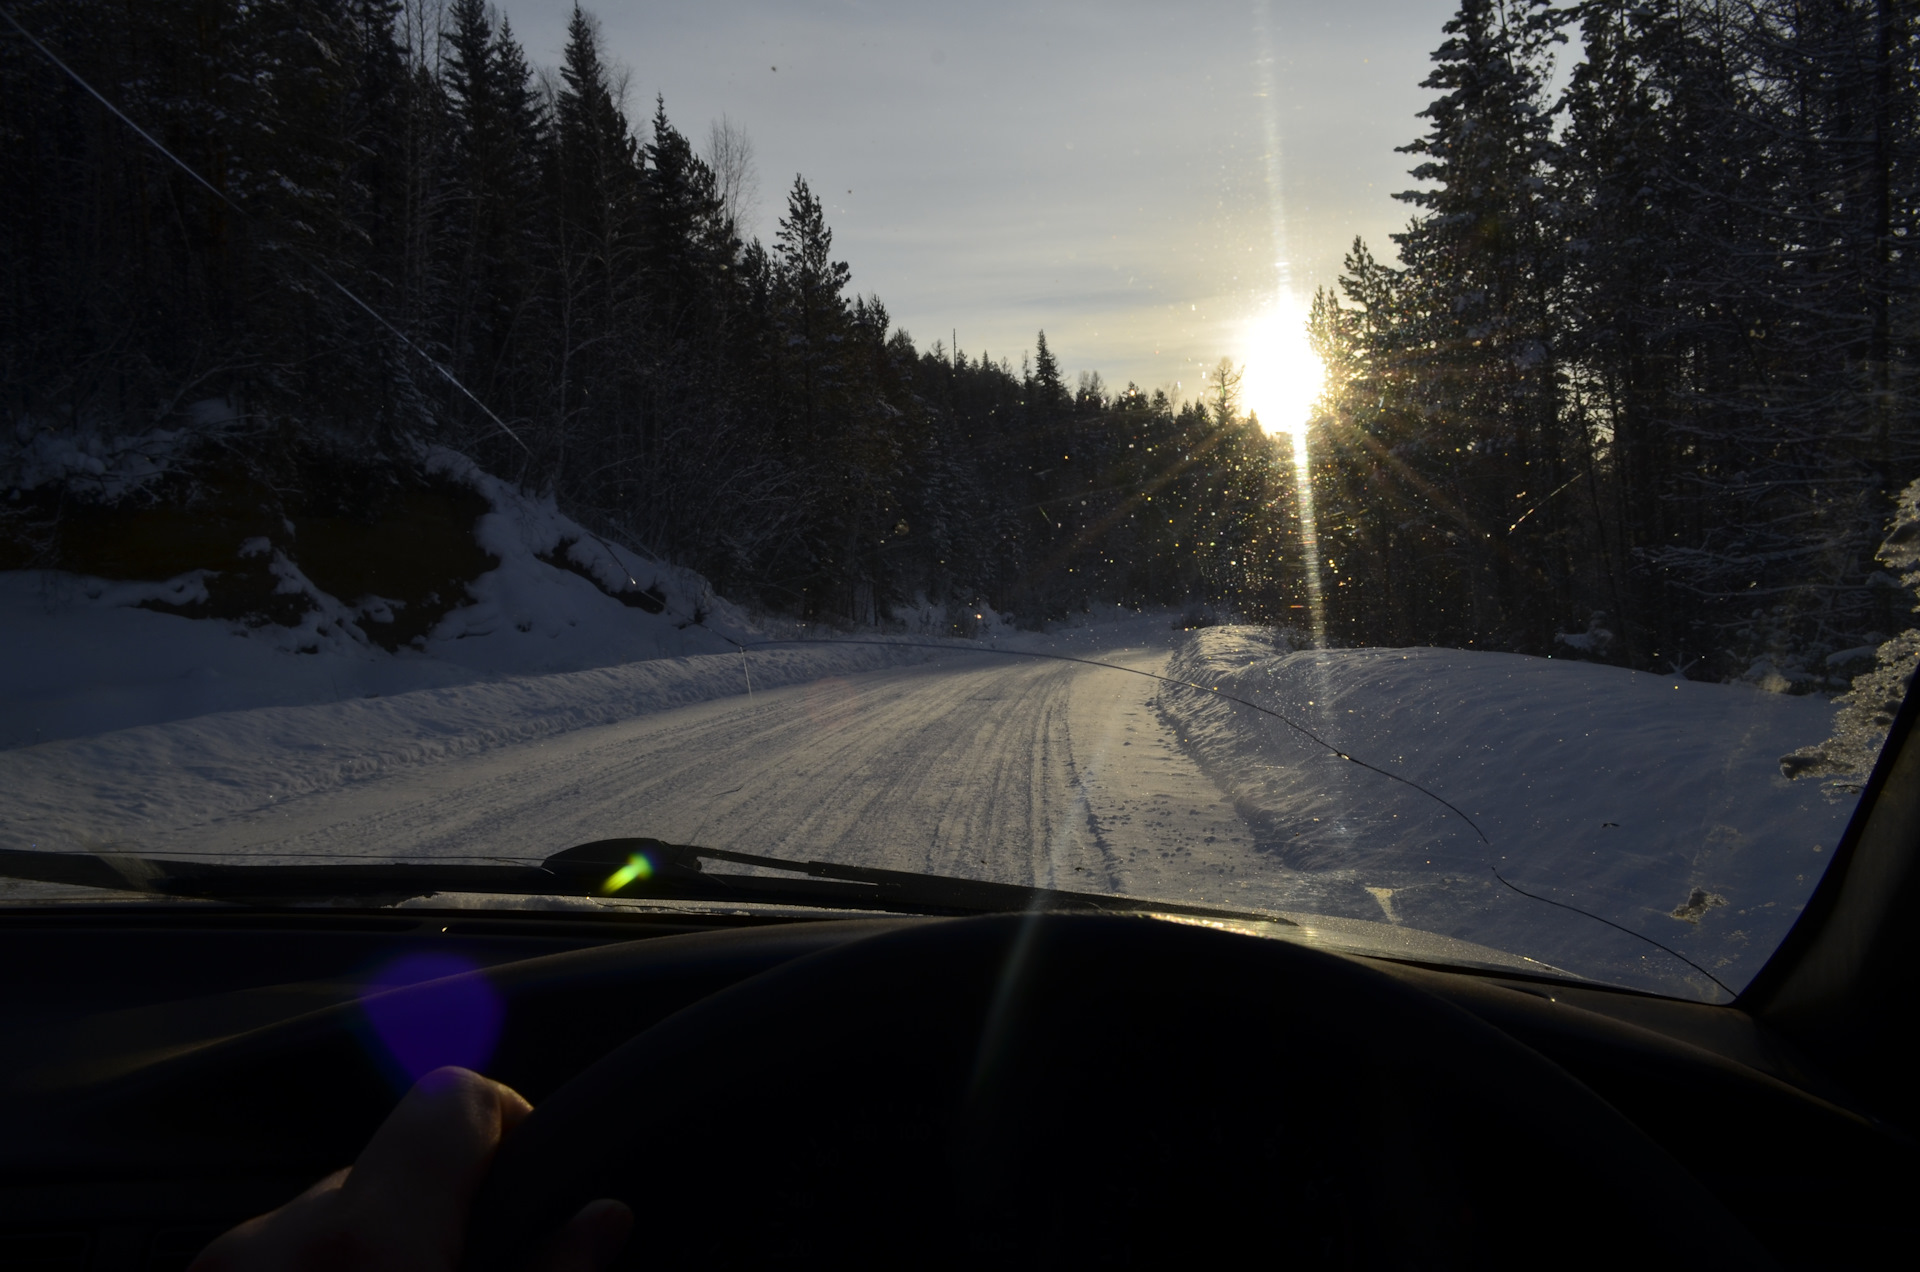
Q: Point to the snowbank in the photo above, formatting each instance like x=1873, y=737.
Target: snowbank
x=1657, y=804
x=1867, y=709
x=94, y=462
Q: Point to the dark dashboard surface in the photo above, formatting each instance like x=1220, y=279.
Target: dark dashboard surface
x=174, y=1070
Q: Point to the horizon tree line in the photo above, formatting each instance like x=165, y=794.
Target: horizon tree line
x=1638, y=385
x=720, y=401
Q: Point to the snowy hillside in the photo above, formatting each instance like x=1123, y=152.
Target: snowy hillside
x=1657, y=804
x=87, y=655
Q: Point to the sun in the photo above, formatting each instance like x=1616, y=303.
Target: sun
x=1283, y=376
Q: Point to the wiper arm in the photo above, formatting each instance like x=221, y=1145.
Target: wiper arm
x=879, y=888
x=382, y=883
x=637, y=869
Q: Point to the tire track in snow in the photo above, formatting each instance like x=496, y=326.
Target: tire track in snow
x=1020, y=771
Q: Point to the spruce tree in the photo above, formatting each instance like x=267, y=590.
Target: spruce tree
x=1483, y=256
x=596, y=296
x=811, y=311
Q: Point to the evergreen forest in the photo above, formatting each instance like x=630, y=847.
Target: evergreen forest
x=1638, y=384
x=1643, y=374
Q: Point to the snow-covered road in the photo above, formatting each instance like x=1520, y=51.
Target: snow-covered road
x=1647, y=805
x=1044, y=772
x=1031, y=771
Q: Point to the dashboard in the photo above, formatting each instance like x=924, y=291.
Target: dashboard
x=173, y=1070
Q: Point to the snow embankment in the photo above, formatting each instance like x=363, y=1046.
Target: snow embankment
x=89, y=655
x=82, y=793
x=1656, y=804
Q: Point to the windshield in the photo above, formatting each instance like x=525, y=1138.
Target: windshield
x=1430, y=473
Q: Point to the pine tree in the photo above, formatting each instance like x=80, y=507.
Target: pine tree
x=688, y=236
x=1049, y=391
x=1483, y=259
x=595, y=195
x=494, y=215
x=811, y=311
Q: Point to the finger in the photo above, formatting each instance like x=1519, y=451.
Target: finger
x=414, y=1183
x=589, y=1241
x=275, y=1239
x=327, y=1184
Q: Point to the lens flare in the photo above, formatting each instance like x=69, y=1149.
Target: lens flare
x=1284, y=377
x=638, y=867
x=430, y=1010
x=1309, y=538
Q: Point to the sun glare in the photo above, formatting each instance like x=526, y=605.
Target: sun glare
x=1283, y=376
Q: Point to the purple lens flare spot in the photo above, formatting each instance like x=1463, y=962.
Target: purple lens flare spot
x=440, y=1015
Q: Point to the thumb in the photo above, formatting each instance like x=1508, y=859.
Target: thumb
x=414, y=1183
x=589, y=1241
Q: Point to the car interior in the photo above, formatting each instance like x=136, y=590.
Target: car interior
x=781, y=1063
x=949, y=1080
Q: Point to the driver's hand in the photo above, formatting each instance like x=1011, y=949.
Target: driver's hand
x=402, y=1207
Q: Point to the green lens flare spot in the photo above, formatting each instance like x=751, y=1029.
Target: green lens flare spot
x=637, y=867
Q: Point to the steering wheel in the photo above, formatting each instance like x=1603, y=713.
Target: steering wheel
x=1044, y=1089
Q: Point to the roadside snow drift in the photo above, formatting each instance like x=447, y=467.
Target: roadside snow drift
x=1652, y=803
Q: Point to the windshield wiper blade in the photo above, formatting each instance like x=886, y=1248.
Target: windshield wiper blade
x=633, y=868
x=383, y=882
x=875, y=886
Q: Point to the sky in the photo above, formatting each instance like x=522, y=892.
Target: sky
x=1156, y=186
